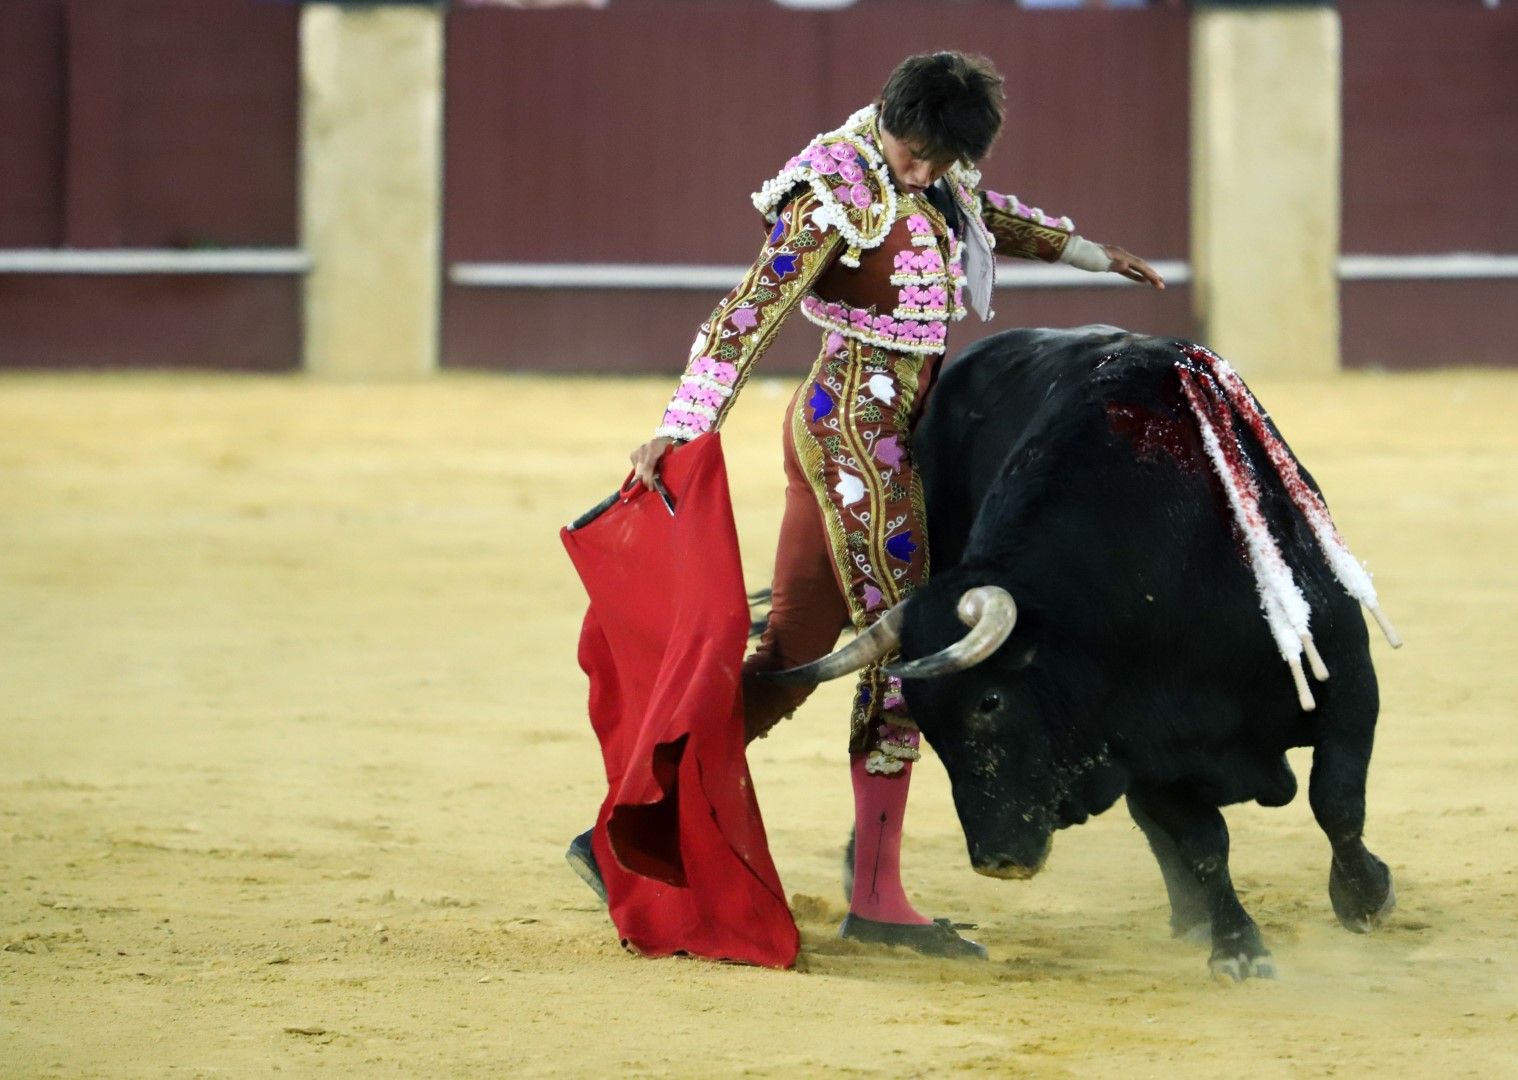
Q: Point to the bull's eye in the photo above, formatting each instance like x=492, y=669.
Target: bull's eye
x=989, y=704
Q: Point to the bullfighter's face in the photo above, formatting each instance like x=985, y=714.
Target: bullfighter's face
x=912, y=172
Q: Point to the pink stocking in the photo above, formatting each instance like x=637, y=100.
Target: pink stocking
x=880, y=803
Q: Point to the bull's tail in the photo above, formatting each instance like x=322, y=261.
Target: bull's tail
x=1216, y=395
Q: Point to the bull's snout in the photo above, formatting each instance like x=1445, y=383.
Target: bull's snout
x=1018, y=864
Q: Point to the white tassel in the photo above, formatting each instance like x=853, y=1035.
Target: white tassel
x=1351, y=574
x=1286, y=610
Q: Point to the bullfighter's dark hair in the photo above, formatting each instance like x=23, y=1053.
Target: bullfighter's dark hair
x=947, y=106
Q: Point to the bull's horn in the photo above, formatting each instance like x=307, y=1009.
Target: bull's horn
x=868, y=647
x=990, y=613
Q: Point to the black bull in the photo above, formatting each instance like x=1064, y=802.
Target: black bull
x=1066, y=468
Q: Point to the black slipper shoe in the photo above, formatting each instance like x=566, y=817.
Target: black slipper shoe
x=582, y=860
x=937, y=938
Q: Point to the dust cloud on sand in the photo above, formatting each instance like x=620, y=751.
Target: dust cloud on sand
x=292, y=738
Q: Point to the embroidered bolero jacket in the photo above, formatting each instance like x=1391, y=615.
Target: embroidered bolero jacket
x=859, y=259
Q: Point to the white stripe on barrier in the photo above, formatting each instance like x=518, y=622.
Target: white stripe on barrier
x=153, y=261
x=1009, y=275
x=1457, y=266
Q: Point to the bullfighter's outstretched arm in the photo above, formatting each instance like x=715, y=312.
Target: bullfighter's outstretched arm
x=1026, y=232
x=742, y=326
x=1023, y=231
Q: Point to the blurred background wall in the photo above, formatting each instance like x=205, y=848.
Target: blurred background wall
x=149, y=184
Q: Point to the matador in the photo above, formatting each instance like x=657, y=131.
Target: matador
x=880, y=233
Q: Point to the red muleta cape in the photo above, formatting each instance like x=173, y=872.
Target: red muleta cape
x=679, y=839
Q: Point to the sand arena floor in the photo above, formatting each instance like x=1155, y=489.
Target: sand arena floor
x=292, y=738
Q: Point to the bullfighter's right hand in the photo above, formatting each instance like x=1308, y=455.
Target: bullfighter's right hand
x=645, y=459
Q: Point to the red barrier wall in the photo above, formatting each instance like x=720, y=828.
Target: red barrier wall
x=1430, y=127
x=222, y=321
x=618, y=136
x=149, y=123
x=31, y=124
x=636, y=134
x=1430, y=160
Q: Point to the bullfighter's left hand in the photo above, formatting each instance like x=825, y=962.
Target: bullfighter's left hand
x=1132, y=267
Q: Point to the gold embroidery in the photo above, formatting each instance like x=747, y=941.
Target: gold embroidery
x=746, y=321
x=1022, y=239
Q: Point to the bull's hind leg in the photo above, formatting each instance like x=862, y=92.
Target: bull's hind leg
x=1188, y=903
x=1199, y=838
x=1359, y=884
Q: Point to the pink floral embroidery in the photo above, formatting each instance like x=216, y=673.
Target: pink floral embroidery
x=841, y=151
x=905, y=261
x=685, y=419
x=888, y=450
x=700, y=395
x=917, y=224
x=834, y=344
x=928, y=297
x=850, y=171
x=861, y=196
x=873, y=598
x=996, y=199
x=725, y=373
x=871, y=328
x=744, y=318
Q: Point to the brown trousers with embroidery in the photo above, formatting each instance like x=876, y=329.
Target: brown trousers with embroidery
x=853, y=536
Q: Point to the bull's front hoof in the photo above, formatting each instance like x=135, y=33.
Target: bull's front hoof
x=1362, y=901
x=1235, y=969
x=1241, y=956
